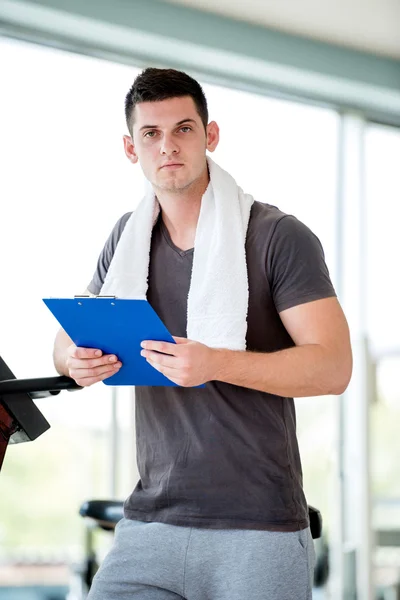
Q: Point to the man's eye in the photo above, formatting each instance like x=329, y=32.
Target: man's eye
x=186, y=128
x=150, y=134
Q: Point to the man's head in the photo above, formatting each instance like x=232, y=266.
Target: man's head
x=167, y=117
x=154, y=85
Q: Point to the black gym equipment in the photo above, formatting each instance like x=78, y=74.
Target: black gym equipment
x=107, y=513
x=20, y=419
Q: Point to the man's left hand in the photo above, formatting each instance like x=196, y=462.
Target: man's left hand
x=186, y=363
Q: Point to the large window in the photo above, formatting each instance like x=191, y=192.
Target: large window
x=65, y=181
x=382, y=302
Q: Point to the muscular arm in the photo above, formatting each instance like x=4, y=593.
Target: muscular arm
x=320, y=362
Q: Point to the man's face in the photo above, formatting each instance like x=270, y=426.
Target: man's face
x=170, y=143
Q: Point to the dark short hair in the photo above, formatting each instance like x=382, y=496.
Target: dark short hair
x=153, y=85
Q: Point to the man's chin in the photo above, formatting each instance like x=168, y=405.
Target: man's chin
x=173, y=186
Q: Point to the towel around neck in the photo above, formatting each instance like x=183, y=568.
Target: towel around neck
x=218, y=295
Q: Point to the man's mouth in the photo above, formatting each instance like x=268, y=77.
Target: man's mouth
x=172, y=166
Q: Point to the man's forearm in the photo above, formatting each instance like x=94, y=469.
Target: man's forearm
x=309, y=370
x=62, y=342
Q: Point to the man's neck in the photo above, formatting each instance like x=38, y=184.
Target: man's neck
x=180, y=213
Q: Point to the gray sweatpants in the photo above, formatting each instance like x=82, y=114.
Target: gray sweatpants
x=154, y=561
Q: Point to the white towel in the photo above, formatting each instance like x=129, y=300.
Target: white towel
x=219, y=293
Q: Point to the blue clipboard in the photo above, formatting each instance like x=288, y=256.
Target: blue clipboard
x=115, y=326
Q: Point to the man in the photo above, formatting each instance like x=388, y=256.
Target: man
x=219, y=512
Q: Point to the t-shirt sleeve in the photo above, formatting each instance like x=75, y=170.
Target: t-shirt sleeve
x=296, y=265
x=106, y=255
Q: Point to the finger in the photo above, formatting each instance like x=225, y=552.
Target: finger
x=80, y=352
x=163, y=347
x=87, y=381
x=91, y=363
x=167, y=371
x=164, y=360
x=97, y=372
x=173, y=375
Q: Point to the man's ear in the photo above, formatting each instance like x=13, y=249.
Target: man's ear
x=129, y=148
x=212, y=134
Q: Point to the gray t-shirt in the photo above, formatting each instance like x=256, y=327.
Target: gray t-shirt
x=225, y=456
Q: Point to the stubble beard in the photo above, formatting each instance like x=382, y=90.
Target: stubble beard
x=175, y=187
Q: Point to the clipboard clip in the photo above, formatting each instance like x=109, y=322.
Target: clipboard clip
x=94, y=296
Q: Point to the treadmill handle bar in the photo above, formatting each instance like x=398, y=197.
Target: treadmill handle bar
x=51, y=385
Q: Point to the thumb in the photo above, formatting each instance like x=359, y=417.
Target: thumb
x=180, y=340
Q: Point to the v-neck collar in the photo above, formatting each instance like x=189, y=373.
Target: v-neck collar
x=169, y=241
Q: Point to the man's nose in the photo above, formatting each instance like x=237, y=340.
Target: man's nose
x=168, y=145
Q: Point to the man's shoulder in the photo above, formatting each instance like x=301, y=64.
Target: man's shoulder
x=122, y=221
x=265, y=217
x=268, y=222
x=119, y=228
x=265, y=210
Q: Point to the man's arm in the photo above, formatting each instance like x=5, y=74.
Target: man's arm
x=319, y=364
x=61, y=345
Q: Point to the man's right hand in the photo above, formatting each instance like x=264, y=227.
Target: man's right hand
x=89, y=365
